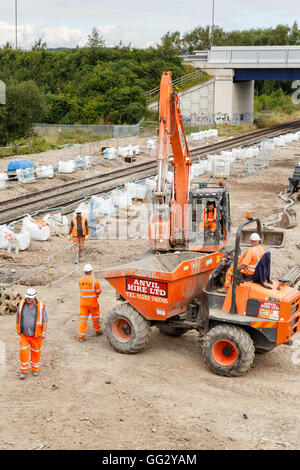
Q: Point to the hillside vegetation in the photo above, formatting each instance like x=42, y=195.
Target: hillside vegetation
x=99, y=84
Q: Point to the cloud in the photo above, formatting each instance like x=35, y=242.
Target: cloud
x=68, y=22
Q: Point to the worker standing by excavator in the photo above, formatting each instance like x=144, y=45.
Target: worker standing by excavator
x=247, y=262
x=80, y=231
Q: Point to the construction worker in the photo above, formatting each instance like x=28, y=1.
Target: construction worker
x=89, y=293
x=31, y=327
x=209, y=218
x=80, y=231
x=248, y=261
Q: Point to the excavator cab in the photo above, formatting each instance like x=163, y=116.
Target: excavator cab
x=209, y=218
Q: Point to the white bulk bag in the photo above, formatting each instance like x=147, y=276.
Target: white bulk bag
x=66, y=167
x=58, y=223
x=23, y=239
x=109, y=153
x=36, y=233
x=44, y=172
x=25, y=175
x=5, y=236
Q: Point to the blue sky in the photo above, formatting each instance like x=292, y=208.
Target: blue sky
x=68, y=22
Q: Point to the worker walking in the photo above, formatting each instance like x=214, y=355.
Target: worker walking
x=209, y=218
x=89, y=293
x=79, y=230
x=248, y=261
x=31, y=327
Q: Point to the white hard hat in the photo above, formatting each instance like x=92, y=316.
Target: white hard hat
x=30, y=293
x=88, y=268
x=255, y=237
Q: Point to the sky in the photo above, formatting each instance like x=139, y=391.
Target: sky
x=67, y=23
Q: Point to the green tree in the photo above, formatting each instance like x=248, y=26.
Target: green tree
x=39, y=45
x=125, y=105
x=25, y=105
x=95, y=39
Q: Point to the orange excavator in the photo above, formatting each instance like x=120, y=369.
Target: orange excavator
x=178, y=212
x=180, y=291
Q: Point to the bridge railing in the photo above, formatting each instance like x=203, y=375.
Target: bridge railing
x=179, y=82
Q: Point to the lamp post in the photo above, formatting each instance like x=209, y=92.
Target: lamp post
x=16, y=22
x=213, y=22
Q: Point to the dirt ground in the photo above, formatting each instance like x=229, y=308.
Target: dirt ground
x=88, y=396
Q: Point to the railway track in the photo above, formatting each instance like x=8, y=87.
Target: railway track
x=69, y=193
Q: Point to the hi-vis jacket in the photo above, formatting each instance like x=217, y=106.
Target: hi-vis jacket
x=89, y=290
x=209, y=216
x=75, y=228
x=39, y=319
x=251, y=258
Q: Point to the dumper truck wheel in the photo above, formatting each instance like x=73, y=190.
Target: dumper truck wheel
x=228, y=350
x=126, y=330
x=170, y=330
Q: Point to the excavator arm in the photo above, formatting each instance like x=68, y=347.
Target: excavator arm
x=170, y=221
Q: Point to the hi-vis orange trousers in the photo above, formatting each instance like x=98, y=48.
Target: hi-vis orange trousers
x=30, y=344
x=85, y=311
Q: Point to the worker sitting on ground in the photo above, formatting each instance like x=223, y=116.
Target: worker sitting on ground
x=208, y=220
x=89, y=292
x=247, y=262
x=79, y=230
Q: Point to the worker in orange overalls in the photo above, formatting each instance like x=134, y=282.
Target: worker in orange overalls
x=89, y=293
x=80, y=231
x=248, y=261
x=209, y=218
x=31, y=327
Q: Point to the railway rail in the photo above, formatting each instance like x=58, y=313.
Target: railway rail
x=14, y=209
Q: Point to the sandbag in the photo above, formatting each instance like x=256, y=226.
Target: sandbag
x=58, y=223
x=5, y=236
x=23, y=239
x=36, y=233
x=66, y=167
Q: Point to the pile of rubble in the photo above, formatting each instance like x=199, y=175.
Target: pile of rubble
x=8, y=301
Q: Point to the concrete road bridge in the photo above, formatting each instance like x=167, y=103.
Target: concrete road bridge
x=234, y=71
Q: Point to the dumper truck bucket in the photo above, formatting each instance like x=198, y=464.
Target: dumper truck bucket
x=162, y=286
x=271, y=238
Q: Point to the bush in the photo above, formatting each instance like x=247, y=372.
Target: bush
x=25, y=105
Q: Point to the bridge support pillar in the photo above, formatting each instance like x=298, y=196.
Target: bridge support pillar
x=243, y=101
x=234, y=99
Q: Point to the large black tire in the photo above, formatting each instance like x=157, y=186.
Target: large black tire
x=228, y=350
x=126, y=330
x=170, y=330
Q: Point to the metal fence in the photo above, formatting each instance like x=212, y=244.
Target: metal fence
x=16, y=150
x=179, y=82
x=107, y=130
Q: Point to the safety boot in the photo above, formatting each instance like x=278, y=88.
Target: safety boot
x=99, y=333
x=81, y=340
x=22, y=376
x=36, y=373
x=76, y=258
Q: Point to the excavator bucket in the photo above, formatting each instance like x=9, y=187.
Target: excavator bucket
x=288, y=219
x=271, y=238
